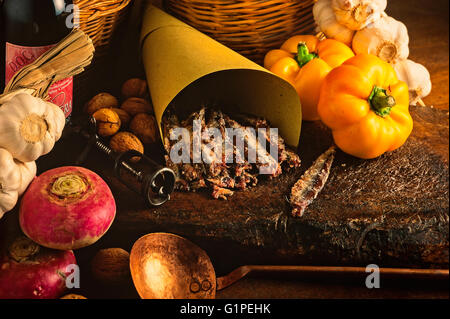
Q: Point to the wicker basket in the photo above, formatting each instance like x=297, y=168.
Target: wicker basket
x=100, y=18
x=251, y=27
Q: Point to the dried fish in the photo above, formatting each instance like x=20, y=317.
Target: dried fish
x=219, y=172
x=311, y=183
x=222, y=193
x=252, y=121
x=292, y=160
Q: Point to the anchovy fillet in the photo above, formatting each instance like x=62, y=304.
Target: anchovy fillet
x=218, y=174
x=308, y=187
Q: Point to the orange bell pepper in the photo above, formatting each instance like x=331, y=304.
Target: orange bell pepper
x=366, y=106
x=304, y=61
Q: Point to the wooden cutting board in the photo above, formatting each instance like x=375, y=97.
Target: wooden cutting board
x=391, y=211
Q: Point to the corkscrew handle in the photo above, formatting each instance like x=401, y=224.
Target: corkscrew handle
x=156, y=186
x=156, y=182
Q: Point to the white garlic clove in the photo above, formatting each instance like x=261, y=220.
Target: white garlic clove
x=326, y=22
x=8, y=201
x=358, y=14
x=28, y=173
x=8, y=96
x=10, y=179
x=387, y=38
x=416, y=77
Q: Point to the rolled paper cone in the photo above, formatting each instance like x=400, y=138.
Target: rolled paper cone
x=186, y=69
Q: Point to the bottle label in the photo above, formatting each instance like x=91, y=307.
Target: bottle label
x=17, y=57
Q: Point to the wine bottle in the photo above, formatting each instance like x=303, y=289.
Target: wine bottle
x=29, y=29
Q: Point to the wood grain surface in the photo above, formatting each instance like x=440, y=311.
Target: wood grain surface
x=393, y=210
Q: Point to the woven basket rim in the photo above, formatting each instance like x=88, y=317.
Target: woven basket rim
x=250, y=27
x=97, y=9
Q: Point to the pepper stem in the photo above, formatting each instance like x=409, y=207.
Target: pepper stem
x=381, y=102
x=303, y=54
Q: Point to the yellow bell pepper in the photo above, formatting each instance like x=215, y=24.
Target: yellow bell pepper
x=304, y=61
x=366, y=106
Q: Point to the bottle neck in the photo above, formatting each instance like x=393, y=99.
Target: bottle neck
x=35, y=23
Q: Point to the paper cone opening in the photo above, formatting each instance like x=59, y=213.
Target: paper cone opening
x=186, y=70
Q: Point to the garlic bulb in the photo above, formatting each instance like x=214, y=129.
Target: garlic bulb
x=28, y=173
x=358, y=14
x=8, y=96
x=29, y=126
x=416, y=76
x=387, y=38
x=10, y=179
x=326, y=22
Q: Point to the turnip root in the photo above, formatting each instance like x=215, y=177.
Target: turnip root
x=67, y=208
x=28, y=271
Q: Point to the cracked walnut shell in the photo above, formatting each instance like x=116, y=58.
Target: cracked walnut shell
x=145, y=128
x=135, y=105
x=125, y=118
x=108, y=122
x=126, y=141
x=100, y=101
x=134, y=87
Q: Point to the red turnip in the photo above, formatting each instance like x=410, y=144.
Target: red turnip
x=28, y=271
x=67, y=208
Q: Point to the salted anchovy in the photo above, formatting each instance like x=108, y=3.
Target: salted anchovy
x=258, y=123
x=218, y=176
x=311, y=183
x=217, y=164
x=224, y=182
x=264, y=159
x=198, y=184
x=253, y=121
x=292, y=160
x=193, y=172
x=222, y=193
x=242, y=168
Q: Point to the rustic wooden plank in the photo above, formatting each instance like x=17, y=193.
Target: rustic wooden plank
x=427, y=23
x=392, y=211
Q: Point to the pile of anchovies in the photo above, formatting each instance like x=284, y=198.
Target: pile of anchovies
x=219, y=176
x=222, y=178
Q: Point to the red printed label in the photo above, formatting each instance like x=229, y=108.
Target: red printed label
x=60, y=93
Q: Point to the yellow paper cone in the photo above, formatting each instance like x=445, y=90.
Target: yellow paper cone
x=186, y=69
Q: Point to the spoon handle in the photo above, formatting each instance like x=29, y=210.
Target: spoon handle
x=241, y=272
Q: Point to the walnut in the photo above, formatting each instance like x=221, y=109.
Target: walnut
x=100, y=101
x=134, y=88
x=144, y=126
x=73, y=296
x=125, y=118
x=125, y=141
x=111, y=266
x=135, y=105
x=108, y=122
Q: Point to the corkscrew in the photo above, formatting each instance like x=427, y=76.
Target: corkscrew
x=134, y=169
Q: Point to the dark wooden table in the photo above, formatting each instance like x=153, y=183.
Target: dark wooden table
x=427, y=23
x=428, y=26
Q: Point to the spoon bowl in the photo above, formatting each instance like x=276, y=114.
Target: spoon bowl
x=167, y=266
